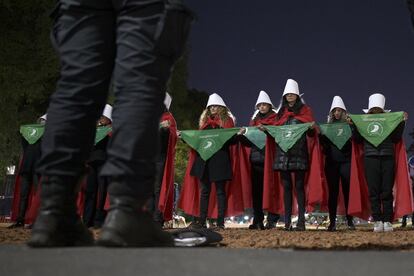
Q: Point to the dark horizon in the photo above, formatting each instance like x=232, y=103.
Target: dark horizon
x=348, y=48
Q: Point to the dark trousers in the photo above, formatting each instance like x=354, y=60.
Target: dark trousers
x=94, y=212
x=300, y=194
x=379, y=173
x=221, y=200
x=257, y=196
x=337, y=172
x=155, y=198
x=99, y=41
x=26, y=184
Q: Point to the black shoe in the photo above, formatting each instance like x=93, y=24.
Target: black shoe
x=131, y=228
x=256, y=226
x=53, y=230
x=58, y=223
x=270, y=225
x=18, y=224
x=331, y=227
x=403, y=223
x=351, y=226
x=300, y=227
x=288, y=227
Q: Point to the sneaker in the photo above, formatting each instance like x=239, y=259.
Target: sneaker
x=378, y=226
x=388, y=226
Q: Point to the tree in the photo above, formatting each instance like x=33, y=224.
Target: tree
x=28, y=72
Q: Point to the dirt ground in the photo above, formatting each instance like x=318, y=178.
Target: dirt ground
x=361, y=239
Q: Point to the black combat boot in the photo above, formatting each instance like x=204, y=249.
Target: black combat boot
x=58, y=223
x=127, y=225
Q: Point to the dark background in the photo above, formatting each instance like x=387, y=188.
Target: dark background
x=350, y=48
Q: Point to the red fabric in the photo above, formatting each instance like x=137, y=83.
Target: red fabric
x=305, y=115
x=166, y=201
x=268, y=120
x=315, y=184
x=214, y=121
x=359, y=204
x=189, y=200
x=33, y=207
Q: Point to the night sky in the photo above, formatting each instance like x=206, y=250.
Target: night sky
x=350, y=48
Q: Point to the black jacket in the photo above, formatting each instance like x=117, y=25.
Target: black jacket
x=332, y=153
x=297, y=158
x=217, y=168
x=386, y=148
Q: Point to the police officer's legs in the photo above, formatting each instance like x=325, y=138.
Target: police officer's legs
x=85, y=42
x=140, y=77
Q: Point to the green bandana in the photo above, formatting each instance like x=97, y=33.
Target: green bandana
x=208, y=142
x=286, y=136
x=337, y=133
x=375, y=128
x=32, y=133
x=256, y=136
x=101, y=133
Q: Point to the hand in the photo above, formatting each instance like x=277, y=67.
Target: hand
x=165, y=124
x=405, y=116
x=349, y=120
x=178, y=134
x=261, y=127
x=241, y=131
x=312, y=126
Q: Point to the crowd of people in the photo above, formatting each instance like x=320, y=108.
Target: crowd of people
x=286, y=167
x=314, y=173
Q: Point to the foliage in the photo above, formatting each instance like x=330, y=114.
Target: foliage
x=28, y=72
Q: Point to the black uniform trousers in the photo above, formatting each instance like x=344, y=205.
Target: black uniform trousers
x=99, y=41
x=379, y=173
x=337, y=172
x=300, y=194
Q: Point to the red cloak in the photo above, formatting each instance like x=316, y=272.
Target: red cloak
x=315, y=185
x=359, y=204
x=189, y=200
x=166, y=201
